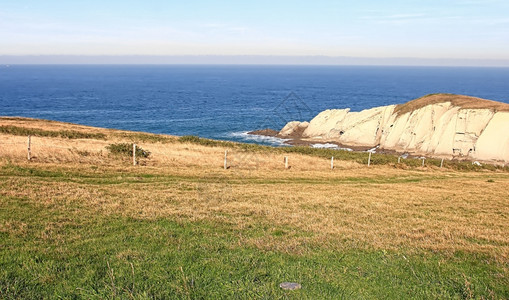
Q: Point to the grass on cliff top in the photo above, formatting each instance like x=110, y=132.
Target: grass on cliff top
x=466, y=102
x=96, y=232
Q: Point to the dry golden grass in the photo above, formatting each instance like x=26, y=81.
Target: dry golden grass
x=49, y=125
x=51, y=149
x=379, y=207
x=456, y=100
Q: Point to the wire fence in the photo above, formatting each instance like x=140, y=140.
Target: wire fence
x=39, y=149
x=43, y=149
x=61, y=150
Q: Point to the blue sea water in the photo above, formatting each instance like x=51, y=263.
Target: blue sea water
x=224, y=102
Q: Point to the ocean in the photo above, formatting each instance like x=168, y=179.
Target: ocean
x=224, y=102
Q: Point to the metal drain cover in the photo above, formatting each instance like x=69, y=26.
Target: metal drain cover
x=290, y=286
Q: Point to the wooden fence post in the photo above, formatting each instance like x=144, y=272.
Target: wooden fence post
x=29, y=154
x=399, y=159
x=332, y=163
x=134, y=154
x=442, y=163
x=286, y=162
x=423, y=159
x=369, y=159
x=225, y=159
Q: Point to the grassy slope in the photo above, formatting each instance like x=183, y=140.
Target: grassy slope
x=462, y=101
x=183, y=230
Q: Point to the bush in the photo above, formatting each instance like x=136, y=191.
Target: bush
x=145, y=137
x=126, y=149
x=201, y=141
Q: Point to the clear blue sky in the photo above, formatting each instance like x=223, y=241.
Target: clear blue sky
x=476, y=29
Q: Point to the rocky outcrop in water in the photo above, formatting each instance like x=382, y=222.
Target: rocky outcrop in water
x=440, y=125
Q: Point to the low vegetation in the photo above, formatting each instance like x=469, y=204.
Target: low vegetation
x=141, y=137
x=466, y=102
x=107, y=232
x=126, y=149
x=69, y=134
x=83, y=224
x=125, y=137
x=359, y=157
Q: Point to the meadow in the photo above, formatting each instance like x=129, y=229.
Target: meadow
x=78, y=221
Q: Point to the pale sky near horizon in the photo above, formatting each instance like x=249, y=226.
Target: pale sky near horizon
x=471, y=29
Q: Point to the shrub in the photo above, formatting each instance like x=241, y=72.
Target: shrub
x=201, y=141
x=126, y=149
x=145, y=137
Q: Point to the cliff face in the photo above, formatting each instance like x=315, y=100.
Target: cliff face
x=439, y=125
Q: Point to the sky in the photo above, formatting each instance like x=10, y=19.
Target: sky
x=429, y=29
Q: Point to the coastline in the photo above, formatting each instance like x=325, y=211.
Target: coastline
x=435, y=125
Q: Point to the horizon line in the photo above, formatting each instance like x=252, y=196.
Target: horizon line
x=310, y=60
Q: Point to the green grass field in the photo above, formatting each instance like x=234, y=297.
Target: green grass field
x=57, y=246
x=78, y=221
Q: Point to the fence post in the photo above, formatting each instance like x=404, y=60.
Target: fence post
x=399, y=159
x=134, y=154
x=332, y=163
x=423, y=159
x=286, y=162
x=369, y=159
x=225, y=159
x=442, y=163
x=29, y=153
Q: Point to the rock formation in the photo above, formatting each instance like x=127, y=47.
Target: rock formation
x=439, y=125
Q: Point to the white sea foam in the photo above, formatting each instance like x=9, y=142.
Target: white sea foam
x=329, y=146
x=261, y=139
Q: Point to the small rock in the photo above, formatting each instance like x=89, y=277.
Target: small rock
x=290, y=286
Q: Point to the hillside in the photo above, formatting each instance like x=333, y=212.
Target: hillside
x=78, y=221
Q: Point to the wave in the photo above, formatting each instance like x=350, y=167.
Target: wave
x=258, y=139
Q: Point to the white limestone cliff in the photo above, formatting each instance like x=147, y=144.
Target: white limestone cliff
x=294, y=128
x=440, y=125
